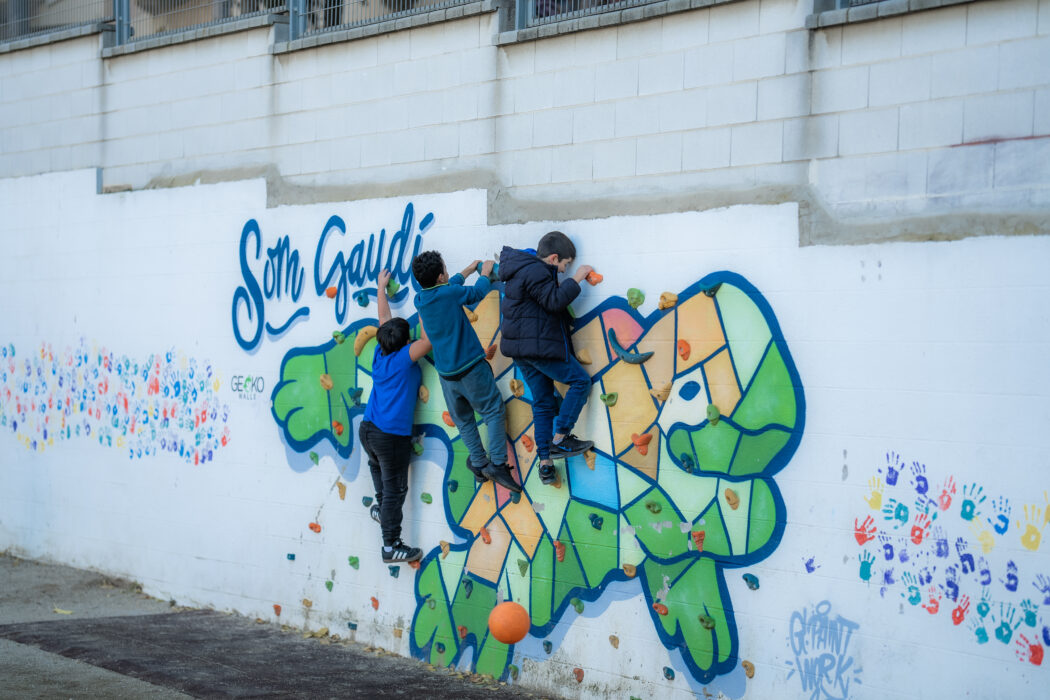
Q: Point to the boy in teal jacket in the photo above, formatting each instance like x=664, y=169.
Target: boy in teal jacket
x=466, y=378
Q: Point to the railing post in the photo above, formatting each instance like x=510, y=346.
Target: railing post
x=522, y=13
x=122, y=19
x=296, y=19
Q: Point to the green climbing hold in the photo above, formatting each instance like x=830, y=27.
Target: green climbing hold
x=355, y=395
x=712, y=290
x=713, y=414
x=291, y=557
x=417, y=447
x=577, y=605
x=354, y=562
x=687, y=463
x=440, y=648
x=431, y=603
x=654, y=507
x=426, y=498
x=392, y=286
x=452, y=485
x=351, y=625
x=635, y=297
x=328, y=585
x=668, y=673
x=513, y=672
x=338, y=337
x=523, y=566
x=468, y=587
x=394, y=571
x=366, y=500
x=596, y=521
x=547, y=646
x=610, y=398
x=314, y=458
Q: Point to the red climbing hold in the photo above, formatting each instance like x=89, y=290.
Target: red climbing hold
x=375, y=603
x=578, y=673
x=462, y=632
x=315, y=527
x=276, y=609
x=448, y=419
x=490, y=352
x=660, y=608
x=698, y=540
x=331, y=292
x=641, y=442
x=684, y=349
x=594, y=277
x=414, y=564
x=337, y=427
x=527, y=441
x=485, y=536
x=559, y=549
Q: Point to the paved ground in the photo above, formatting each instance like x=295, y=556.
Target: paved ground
x=66, y=633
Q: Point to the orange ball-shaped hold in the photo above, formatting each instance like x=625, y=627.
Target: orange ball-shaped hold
x=509, y=622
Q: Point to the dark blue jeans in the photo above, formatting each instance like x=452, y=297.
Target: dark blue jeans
x=548, y=419
x=477, y=391
x=388, y=458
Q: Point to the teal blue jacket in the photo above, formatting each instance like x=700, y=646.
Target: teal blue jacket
x=456, y=345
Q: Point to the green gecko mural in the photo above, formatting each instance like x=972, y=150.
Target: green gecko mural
x=693, y=409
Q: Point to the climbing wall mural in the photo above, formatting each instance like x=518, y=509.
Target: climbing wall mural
x=693, y=410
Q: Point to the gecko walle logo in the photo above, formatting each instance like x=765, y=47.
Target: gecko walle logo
x=247, y=387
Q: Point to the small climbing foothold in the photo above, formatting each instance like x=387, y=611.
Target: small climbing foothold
x=751, y=580
x=596, y=521
x=662, y=393
x=361, y=298
x=523, y=566
x=326, y=382
x=315, y=527
x=635, y=297
x=440, y=648
x=366, y=501
x=426, y=498
x=331, y=292
x=431, y=603
x=559, y=550
x=424, y=394
x=394, y=571
x=547, y=646
x=713, y=414
x=577, y=605
x=749, y=669
x=342, y=490
x=706, y=621
x=363, y=336
x=594, y=278
x=462, y=631
x=684, y=349
x=698, y=539
x=577, y=673
x=485, y=536
x=584, y=356
x=355, y=395
x=630, y=570
x=329, y=585
x=732, y=499
x=591, y=458
x=444, y=548
x=447, y=417
x=528, y=442
x=392, y=285
x=452, y=485
x=515, y=497
x=641, y=442
x=687, y=462
x=654, y=507
x=667, y=301
x=307, y=603
x=375, y=603
x=276, y=609
x=490, y=352
x=338, y=337
x=513, y=670
x=291, y=557
x=615, y=641
x=354, y=562
x=660, y=608
x=352, y=626
x=668, y=673
x=517, y=388
x=610, y=398
x=713, y=289
x=314, y=457
x=417, y=447
x=414, y=564
x=337, y=427
x=471, y=316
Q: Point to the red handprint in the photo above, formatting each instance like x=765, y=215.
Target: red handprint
x=959, y=614
x=934, y=603
x=945, y=499
x=921, y=528
x=1026, y=651
x=864, y=532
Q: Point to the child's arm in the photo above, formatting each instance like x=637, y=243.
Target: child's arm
x=469, y=270
x=481, y=288
x=381, y=300
x=555, y=298
x=421, y=347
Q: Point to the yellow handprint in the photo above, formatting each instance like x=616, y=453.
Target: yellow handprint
x=1032, y=536
x=984, y=536
x=875, y=500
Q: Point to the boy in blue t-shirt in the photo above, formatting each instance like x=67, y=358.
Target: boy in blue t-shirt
x=466, y=378
x=386, y=431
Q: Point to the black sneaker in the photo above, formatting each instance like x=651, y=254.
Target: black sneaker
x=374, y=512
x=570, y=446
x=401, y=553
x=479, y=472
x=548, y=474
x=501, y=474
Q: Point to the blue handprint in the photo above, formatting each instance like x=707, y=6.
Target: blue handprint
x=887, y=546
x=912, y=595
x=999, y=519
x=984, y=576
x=951, y=584
x=866, y=559
x=940, y=542
x=965, y=558
x=985, y=605
x=902, y=555
x=1005, y=631
x=894, y=465
x=1010, y=582
x=1030, y=609
x=918, y=478
x=973, y=497
x=894, y=510
x=1042, y=584
x=926, y=575
x=1046, y=635
x=977, y=625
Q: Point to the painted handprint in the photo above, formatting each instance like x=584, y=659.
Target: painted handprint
x=933, y=601
x=979, y=631
x=560, y=543
x=887, y=545
x=875, y=499
x=918, y=478
x=940, y=543
x=895, y=511
x=965, y=558
x=999, y=518
x=920, y=528
x=973, y=497
x=1005, y=630
x=944, y=501
x=984, y=536
x=959, y=613
x=866, y=560
x=951, y=584
x=1042, y=584
x=985, y=606
x=1034, y=521
x=1030, y=611
x=1011, y=581
x=1032, y=652
x=984, y=572
x=864, y=532
x=894, y=467
x=912, y=593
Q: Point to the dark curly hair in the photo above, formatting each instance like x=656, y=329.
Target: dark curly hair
x=427, y=267
x=393, y=335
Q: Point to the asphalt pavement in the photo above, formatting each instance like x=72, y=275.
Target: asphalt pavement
x=68, y=633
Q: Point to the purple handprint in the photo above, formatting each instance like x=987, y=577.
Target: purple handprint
x=894, y=465
x=965, y=558
x=1042, y=584
x=951, y=585
x=887, y=546
x=1010, y=582
x=918, y=478
x=984, y=573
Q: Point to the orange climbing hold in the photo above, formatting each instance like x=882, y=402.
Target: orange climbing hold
x=491, y=352
x=698, y=540
x=337, y=427
x=485, y=536
x=578, y=674
x=315, y=527
x=559, y=550
x=375, y=603
x=527, y=441
x=462, y=632
x=342, y=490
x=684, y=349
x=660, y=608
x=509, y=622
x=414, y=564
x=448, y=419
x=307, y=603
x=732, y=499
x=641, y=442
x=594, y=277
x=276, y=609
x=445, y=548
x=331, y=292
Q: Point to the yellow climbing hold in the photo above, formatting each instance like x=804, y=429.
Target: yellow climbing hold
x=444, y=548
x=630, y=570
x=749, y=669
x=584, y=356
x=517, y=388
x=667, y=300
x=326, y=382
x=470, y=315
x=615, y=641
x=662, y=393
x=732, y=499
x=363, y=336
x=590, y=458
x=342, y=490
x=424, y=393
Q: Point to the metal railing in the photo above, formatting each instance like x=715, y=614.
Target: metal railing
x=537, y=12
x=142, y=19
x=313, y=16
x=20, y=19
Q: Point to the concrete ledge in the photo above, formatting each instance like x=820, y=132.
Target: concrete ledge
x=51, y=37
x=609, y=18
x=212, y=30
x=874, y=11
x=425, y=16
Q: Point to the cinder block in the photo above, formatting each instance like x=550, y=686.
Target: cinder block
x=706, y=149
x=685, y=31
x=811, y=137
x=532, y=92
x=733, y=21
x=423, y=109
x=406, y=146
x=868, y=42
x=896, y=82
x=796, y=52
x=595, y=47
x=753, y=144
x=964, y=169
x=638, y=39
x=477, y=137
x=574, y=86
x=732, y=104
x=441, y=72
x=556, y=53
x=1022, y=163
x=614, y=159
x=659, y=154
x=659, y=74
x=965, y=72
x=1024, y=63
x=441, y=141
x=459, y=104
x=634, y=117
x=784, y=97
x=928, y=32
x=681, y=111
x=931, y=124
x=990, y=22
x=782, y=15
x=1000, y=116
x=826, y=48
x=759, y=57
x=594, y=122
x=840, y=89
x=572, y=163
x=709, y=65
x=868, y=131
x=514, y=132
x=1042, y=111
x=552, y=128
x=531, y=167
x=376, y=150
x=616, y=80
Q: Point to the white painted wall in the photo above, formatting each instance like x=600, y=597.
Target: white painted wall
x=932, y=351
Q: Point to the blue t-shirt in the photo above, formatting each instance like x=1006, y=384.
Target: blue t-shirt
x=395, y=386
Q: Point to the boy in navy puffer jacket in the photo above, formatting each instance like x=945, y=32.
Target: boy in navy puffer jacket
x=536, y=334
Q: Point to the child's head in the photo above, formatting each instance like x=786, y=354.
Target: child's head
x=556, y=249
x=428, y=268
x=393, y=335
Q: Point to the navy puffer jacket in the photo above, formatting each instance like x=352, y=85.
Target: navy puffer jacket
x=536, y=321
